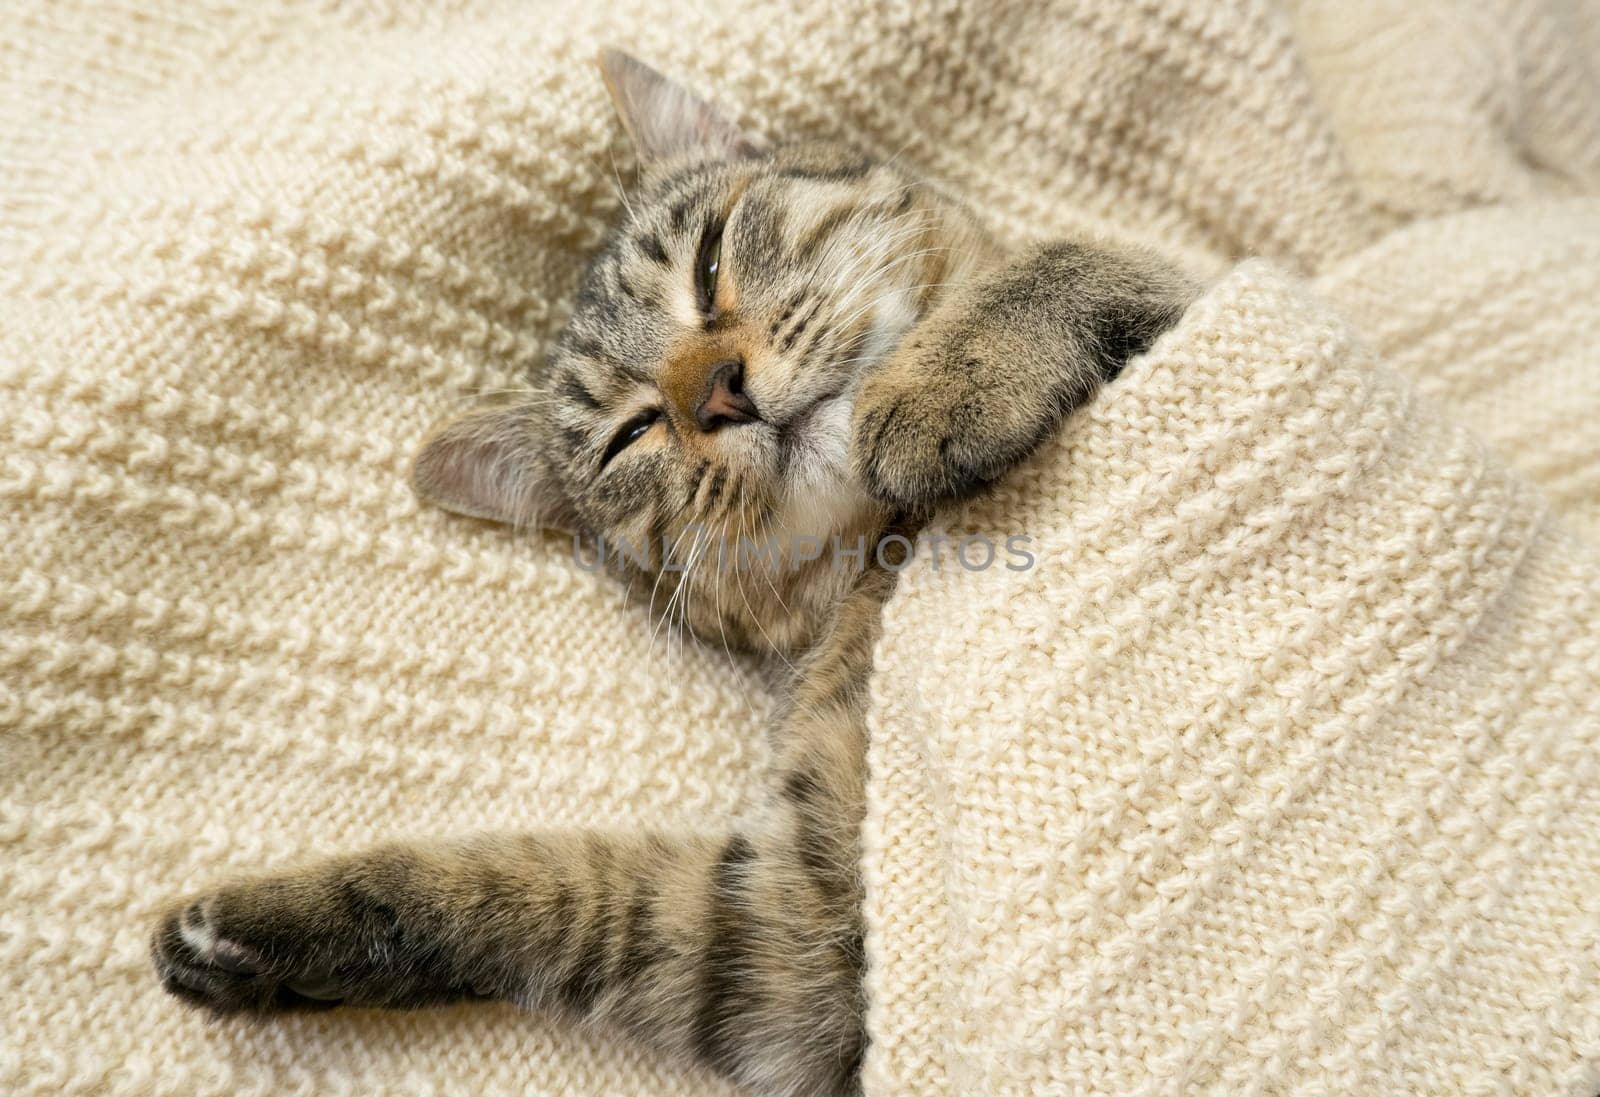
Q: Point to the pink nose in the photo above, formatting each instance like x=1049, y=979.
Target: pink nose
x=725, y=400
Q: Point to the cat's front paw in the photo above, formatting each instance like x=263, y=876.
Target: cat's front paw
x=304, y=940
x=205, y=953
x=937, y=424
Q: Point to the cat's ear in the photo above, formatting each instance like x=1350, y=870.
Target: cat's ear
x=666, y=119
x=486, y=464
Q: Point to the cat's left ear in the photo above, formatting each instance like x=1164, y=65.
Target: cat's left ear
x=666, y=119
x=487, y=464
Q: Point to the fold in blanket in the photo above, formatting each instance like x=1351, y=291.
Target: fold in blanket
x=1277, y=772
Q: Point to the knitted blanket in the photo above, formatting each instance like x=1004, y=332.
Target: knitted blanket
x=1274, y=772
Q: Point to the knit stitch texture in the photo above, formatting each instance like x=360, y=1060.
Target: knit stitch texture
x=1277, y=771
x=1273, y=774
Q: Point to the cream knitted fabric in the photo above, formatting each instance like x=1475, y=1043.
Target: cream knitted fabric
x=1277, y=772
x=249, y=252
x=1493, y=312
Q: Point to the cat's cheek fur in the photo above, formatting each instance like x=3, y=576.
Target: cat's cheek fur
x=893, y=315
x=821, y=494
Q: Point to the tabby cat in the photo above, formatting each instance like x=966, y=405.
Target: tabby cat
x=795, y=341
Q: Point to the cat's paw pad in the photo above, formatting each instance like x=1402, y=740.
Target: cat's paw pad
x=203, y=960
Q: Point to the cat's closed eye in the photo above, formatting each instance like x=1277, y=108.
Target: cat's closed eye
x=631, y=432
x=705, y=271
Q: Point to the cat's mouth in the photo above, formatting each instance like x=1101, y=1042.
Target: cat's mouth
x=816, y=435
x=815, y=440
x=801, y=421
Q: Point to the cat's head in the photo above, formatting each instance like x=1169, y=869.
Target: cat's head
x=695, y=413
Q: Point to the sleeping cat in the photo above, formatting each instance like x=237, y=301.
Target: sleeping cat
x=774, y=345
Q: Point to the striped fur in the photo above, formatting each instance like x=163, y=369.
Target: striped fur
x=897, y=361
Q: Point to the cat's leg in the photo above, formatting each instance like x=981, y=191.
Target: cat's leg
x=705, y=945
x=742, y=950
x=981, y=382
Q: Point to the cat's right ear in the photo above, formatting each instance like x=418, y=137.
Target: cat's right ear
x=486, y=464
x=666, y=119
